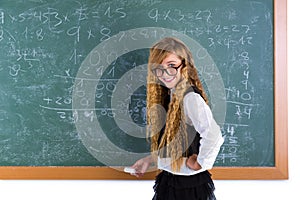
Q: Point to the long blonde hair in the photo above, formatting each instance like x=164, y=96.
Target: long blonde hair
x=173, y=141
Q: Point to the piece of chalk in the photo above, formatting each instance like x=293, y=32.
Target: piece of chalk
x=129, y=170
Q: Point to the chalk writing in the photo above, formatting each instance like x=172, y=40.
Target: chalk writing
x=43, y=45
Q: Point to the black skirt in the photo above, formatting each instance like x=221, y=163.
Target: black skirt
x=176, y=187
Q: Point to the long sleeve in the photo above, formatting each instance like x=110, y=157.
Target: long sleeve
x=200, y=116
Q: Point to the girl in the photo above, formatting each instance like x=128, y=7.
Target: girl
x=185, y=139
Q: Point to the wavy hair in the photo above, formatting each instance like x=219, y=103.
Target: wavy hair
x=173, y=142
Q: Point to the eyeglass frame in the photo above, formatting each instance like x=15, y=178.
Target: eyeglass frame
x=165, y=70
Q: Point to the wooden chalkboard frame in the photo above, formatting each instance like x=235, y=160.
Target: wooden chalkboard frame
x=279, y=171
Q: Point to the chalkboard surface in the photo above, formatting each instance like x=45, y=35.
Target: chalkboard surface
x=67, y=71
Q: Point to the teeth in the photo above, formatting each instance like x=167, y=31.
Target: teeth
x=168, y=80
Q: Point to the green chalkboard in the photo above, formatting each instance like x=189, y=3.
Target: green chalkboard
x=73, y=75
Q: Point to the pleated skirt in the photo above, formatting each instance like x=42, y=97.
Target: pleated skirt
x=177, y=187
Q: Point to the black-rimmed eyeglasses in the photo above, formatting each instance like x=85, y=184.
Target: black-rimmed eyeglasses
x=171, y=71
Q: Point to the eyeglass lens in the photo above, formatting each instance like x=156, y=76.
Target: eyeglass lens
x=171, y=71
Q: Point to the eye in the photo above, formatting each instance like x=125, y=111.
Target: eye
x=171, y=65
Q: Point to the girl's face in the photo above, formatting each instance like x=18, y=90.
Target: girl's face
x=169, y=72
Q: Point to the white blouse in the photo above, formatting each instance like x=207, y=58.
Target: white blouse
x=199, y=115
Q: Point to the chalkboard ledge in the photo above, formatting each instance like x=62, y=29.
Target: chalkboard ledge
x=107, y=173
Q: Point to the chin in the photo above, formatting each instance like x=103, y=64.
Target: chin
x=170, y=85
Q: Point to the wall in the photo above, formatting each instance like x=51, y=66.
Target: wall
x=226, y=190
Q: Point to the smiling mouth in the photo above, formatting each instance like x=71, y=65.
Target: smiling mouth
x=168, y=80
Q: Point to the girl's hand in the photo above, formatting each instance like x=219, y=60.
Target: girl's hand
x=192, y=162
x=141, y=166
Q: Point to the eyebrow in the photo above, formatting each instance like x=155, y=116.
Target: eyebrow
x=171, y=61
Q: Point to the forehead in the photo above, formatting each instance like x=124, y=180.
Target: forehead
x=171, y=57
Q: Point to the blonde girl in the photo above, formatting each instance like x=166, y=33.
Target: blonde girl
x=185, y=139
